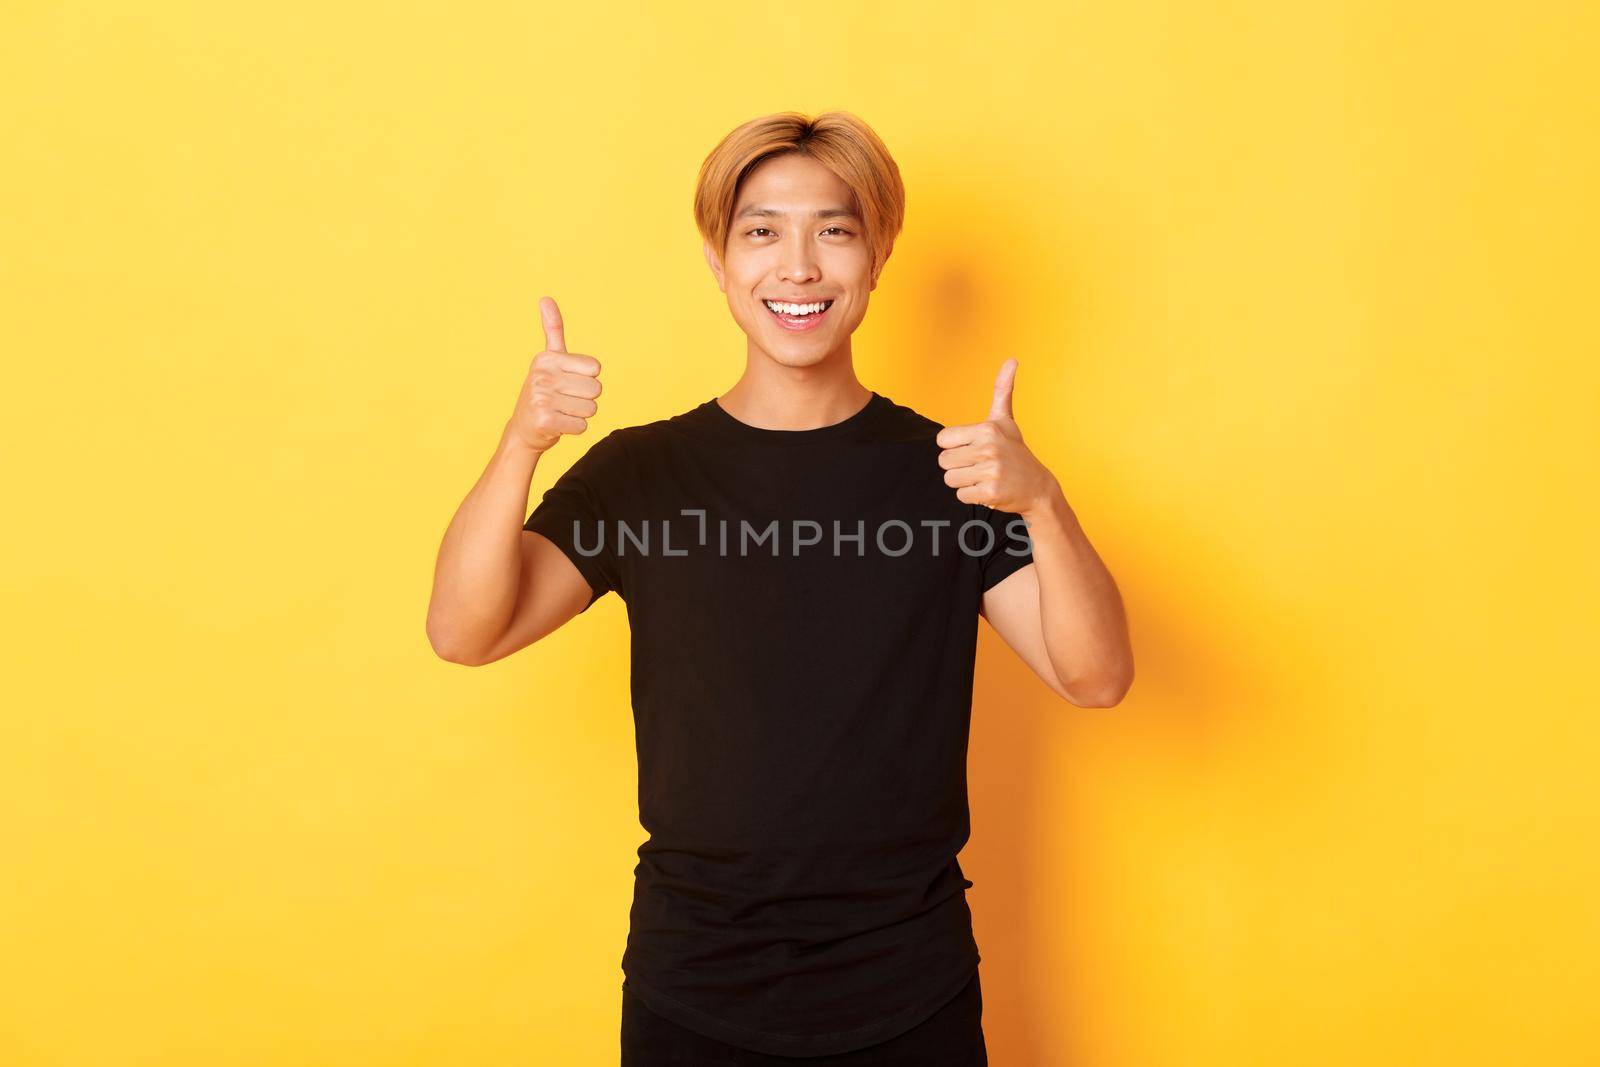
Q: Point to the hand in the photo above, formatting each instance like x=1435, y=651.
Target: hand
x=558, y=395
x=987, y=463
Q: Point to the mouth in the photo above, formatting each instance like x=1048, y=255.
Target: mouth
x=798, y=317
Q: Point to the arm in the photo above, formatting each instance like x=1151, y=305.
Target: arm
x=1062, y=613
x=498, y=587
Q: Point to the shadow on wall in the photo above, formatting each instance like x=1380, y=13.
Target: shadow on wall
x=1199, y=713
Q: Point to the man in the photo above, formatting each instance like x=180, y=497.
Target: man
x=804, y=562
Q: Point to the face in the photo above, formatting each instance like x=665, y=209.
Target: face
x=795, y=238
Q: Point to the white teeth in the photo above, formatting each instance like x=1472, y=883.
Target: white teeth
x=797, y=309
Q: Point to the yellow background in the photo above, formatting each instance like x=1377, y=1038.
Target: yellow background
x=1304, y=299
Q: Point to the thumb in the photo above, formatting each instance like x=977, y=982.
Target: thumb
x=555, y=334
x=1000, y=408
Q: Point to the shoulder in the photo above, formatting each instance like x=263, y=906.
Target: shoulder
x=639, y=438
x=905, y=425
x=645, y=439
x=628, y=446
x=595, y=458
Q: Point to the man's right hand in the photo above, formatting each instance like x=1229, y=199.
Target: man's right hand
x=558, y=395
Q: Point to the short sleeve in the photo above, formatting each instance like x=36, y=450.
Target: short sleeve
x=576, y=514
x=1011, y=550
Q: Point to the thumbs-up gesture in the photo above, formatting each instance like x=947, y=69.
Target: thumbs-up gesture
x=987, y=462
x=558, y=395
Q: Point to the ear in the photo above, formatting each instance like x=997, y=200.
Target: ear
x=712, y=262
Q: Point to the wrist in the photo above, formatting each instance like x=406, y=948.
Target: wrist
x=1049, y=506
x=513, y=446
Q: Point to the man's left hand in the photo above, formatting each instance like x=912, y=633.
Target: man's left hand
x=988, y=463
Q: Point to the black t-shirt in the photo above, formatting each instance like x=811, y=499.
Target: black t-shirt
x=803, y=607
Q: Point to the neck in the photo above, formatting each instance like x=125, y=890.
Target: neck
x=773, y=396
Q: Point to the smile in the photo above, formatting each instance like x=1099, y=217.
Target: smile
x=798, y=316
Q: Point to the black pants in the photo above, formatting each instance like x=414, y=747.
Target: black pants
x=950, y=1037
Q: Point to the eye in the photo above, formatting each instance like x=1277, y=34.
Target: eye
x=839, y=228
x=757, y=230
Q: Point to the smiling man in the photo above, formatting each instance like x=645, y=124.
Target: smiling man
x=804, y=562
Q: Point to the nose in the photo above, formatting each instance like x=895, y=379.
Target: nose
x=799, y=263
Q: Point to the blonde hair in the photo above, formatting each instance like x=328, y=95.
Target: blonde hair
x=838, y=140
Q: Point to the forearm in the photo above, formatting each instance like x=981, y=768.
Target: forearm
x=1080, y=609
x=479, y=566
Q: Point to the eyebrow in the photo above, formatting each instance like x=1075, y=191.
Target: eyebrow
x=772, y=212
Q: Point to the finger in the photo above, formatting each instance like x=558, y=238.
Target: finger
x=555, y=333
x=579, y=406
x=961, y=476
x=567, y=363
x=965, y=456
x=1000, y=407
x=580, y=385
x=562, y=422
x=975, y=494
x=964, y=434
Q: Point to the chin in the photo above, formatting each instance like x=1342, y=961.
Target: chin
x=794, y=356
